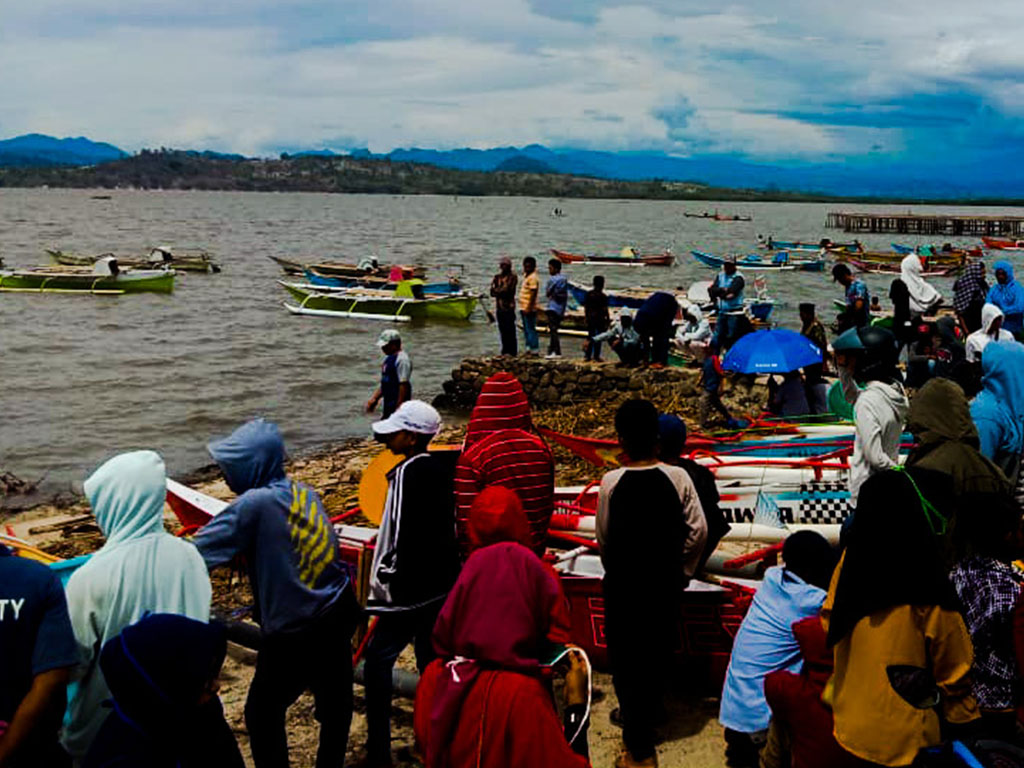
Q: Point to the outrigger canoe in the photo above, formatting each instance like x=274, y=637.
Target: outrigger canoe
x=1003, y=244
x=379, y=283
x=158, y=258
x=795, y=245
x=386, y=305
x=755, y=262
x=893, y=268
x=627, y=258
x=46, y=280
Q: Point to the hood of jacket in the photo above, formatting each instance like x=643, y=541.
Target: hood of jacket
x=250, y=457
x=1006, y=267
x=1002, y=376
x=810, y=636
x=501, y=404
x=892, y=393
x=158, y=668
x=939, y=412
x=127, y=496
x=989, y=314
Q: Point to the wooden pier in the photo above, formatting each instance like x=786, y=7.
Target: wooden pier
x=927, y=224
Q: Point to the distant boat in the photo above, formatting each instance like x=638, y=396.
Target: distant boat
x=628, y=257
x=290, y=267
x=956, y=258
x=756, y=262
x=796, y=245
x=1003, y=244
x=347, y=269
x=158, y=257
x=379, y=283
x=893, y=268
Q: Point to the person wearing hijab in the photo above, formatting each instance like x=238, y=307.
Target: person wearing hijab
x=990, y=588
x=502, y=448
x=765, y=641
x=902, y=652
x=482, y=703
x=140, y=569
x=970, y=292
x=799, y=719
x=304, y=602
x=165, y=713
x=924, y=299
x=990, y=328
x=1008, y=295
x=998, y=409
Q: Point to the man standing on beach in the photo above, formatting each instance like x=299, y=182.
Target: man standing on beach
x=727, y=292
x=503, y=289
x=528, y=305
x=558, y=296
x=395, y=373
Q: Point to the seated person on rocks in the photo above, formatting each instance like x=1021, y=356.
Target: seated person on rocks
x=502, y=448
x=695, y=333
x=162, y=672
x=483, y=703
x=765, y=642
x=624, y=340
x=788, y=398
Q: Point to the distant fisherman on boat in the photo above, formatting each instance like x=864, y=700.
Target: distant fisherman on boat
x=727, y=293
x=395, y=373
x=368, y=264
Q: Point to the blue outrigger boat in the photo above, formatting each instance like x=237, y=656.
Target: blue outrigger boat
x=780, y=261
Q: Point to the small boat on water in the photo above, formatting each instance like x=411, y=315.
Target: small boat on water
x=1003, y=244
x=105, y=278
x=288, y=266
x=772, y=244
x=406, y=301
x=756, y=261
x=365, y=268
x=158, y=257
x=956, y=259
x=893, y=268
x=452, y=285
x=716, y=216
x=628, y=257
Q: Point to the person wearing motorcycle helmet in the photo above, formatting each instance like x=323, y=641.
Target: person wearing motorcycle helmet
x=866, y=360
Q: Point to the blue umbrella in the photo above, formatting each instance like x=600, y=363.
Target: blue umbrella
x=774, y=351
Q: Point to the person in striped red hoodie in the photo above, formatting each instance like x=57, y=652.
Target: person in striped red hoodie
x=501, y=448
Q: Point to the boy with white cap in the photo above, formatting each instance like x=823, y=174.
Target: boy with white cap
x=395, y=373
x=415, y=562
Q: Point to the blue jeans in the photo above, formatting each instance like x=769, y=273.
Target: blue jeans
x=530, y=331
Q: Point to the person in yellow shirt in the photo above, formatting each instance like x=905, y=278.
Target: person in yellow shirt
x=902, y=652
x=528, y=305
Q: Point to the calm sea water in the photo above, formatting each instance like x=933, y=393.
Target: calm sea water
x=82, y=377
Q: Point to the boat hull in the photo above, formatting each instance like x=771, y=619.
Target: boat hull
x=184, y=264
x=716, y=262
x=353, y=301
x=1003, y=244
x=159, y=281
x=666, y=259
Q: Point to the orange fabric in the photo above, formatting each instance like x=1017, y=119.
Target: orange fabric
x=507, y=721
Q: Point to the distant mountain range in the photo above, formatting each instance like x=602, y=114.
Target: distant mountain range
x=879, y=177
x=37, y=150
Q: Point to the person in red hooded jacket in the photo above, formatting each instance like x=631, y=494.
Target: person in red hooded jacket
x=799, y=718
x=501, y=448
x=482, y=703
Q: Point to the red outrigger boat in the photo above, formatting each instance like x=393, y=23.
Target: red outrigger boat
x=1003, y=244
x=666, y=259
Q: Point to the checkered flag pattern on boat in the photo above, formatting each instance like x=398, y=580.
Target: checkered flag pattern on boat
x=824, y=502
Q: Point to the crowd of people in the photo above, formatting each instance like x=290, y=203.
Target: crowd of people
x=884, y=650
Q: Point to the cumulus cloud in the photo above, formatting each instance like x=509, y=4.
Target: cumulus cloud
x=788, y=79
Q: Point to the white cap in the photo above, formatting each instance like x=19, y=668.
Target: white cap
x=387, y=336
x=411, y=416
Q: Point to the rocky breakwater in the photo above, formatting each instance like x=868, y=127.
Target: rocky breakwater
x=566, y=382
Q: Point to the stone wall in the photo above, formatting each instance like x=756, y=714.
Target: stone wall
x=563, y=382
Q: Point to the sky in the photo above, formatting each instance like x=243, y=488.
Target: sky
x=796, y=81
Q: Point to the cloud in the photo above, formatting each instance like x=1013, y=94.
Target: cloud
x=789, y=79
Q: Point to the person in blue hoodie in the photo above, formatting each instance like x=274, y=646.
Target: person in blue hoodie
x=998, y=410
x=1007, y=294
x=304, y=603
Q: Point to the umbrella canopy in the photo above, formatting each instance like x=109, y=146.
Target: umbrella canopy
x=774, y=351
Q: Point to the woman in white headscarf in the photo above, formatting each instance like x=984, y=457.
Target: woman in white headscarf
x=923, y=297
x=991, y=330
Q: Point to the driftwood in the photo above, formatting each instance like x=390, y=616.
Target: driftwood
x=63, y=525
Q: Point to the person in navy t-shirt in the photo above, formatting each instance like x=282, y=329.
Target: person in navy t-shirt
x=395, y=374
x=38, y=650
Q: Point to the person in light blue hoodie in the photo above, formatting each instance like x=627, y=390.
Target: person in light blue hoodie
x=998, y=409
x=765, y=642
x=304, y=603
x=141, y=569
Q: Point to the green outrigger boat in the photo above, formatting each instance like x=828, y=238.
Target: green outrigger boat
x=379, y=304
x=105, y=282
